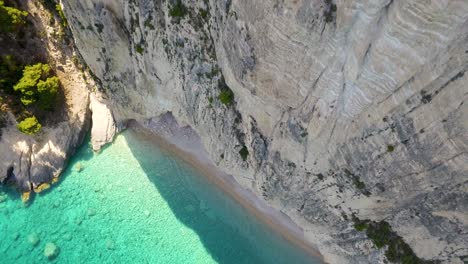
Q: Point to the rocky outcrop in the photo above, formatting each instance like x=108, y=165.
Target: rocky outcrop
x=103, y=129
x=30, y=163
x=344, y=107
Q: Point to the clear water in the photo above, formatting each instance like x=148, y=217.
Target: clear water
x=136, y=203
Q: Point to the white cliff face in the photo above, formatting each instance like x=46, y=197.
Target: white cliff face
x=359, y=110
x=103, y=129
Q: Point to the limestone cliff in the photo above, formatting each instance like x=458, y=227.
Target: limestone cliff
x=348, y=106
x=31, y=162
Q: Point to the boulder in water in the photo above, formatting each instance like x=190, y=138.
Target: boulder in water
x=79, y=167
x=110, y=244
x=51, y=250
x=33, y=239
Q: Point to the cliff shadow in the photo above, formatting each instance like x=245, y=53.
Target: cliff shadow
x=227, y=232
x=172, y=178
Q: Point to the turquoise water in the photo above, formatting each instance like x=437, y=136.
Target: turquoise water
x=135, y=203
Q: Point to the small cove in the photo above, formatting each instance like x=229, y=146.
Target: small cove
x=134, y=202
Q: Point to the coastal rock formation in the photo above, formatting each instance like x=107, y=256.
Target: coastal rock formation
x=31, y=162
x=103, y=129
x=330, y=110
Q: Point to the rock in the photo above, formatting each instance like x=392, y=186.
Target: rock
x=110, y=245
x=33, y=239
x=104, y=129
x=91, y=212
x=3, y=198
x=51, y=251
x=319, y=88
x=67, y=237
x=79, y=167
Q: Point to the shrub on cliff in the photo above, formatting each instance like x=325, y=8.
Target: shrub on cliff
x=29, y=126
x=11, y=18
x=179, y=10
x=10, y=73
x=244, y=153
x=59, y=10
x=47, y=91
x=37, y=85
x=226, y=97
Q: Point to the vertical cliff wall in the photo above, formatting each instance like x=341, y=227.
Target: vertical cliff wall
x=339, y=108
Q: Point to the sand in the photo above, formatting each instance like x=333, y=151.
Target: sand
x=184, y=143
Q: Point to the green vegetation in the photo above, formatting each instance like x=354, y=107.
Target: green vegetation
x=330, y=11
x=210, y=100
x=226, y=96
x=390, y=148
x=179, y=10
x=148, y=23
x=37, y=85
x=356, y=181
x=382, y=235
x=139, y=49
x=47, y=93
x=244, y=153
x=11, y=18
x=204, y=13
x=29, y=126
x=10, y=73
x=360, y=226
x=59, y=10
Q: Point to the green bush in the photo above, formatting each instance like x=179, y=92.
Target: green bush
x=47, y=91
x=27, y=85
x=139, y=49
x=244, y=152
x=360, y=226
x=36, y=85
x=29, y=126
x=179, y=10
x=382, y=235
x=59, y=10
x=11, y=18
x=226, y=96
x=10, y=73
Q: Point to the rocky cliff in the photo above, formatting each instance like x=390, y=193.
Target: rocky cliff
x=333, y=111
x=31, y=162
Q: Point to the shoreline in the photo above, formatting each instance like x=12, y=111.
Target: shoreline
x=194, y=154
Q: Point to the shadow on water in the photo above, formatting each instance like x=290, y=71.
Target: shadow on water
x=227, y=232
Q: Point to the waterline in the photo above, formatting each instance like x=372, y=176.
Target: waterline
x=135, y=203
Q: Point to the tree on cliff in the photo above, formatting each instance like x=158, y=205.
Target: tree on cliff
x=11, y=18
x=38, y=85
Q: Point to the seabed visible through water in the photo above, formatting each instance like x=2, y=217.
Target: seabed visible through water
x=136, y=203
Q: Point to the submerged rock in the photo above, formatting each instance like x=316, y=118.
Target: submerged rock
x=51, y=251
x=34, y=239
x=79, y=167
x=110, y=245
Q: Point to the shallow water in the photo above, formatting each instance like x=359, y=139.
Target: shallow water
x=136, y=203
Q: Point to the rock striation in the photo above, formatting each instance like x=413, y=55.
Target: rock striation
x=341, y=109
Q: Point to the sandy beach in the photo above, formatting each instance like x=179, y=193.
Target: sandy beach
x=184, y=143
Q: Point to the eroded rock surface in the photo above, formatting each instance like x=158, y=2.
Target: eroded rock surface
x=27, y=162
x=352, y=106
